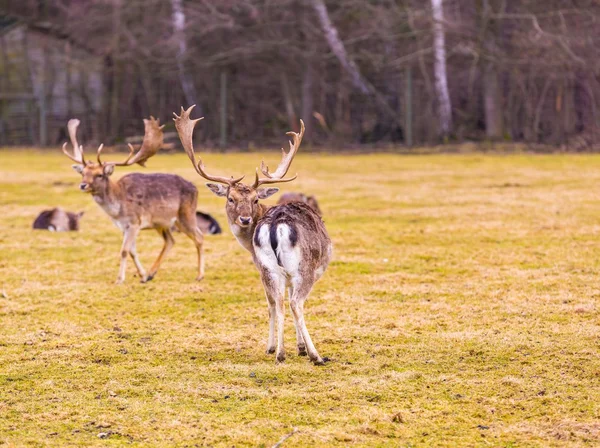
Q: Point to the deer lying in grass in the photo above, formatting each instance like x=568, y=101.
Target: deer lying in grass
x=288, y=243
x=286, y=198
x=140, y=201
x=57, y=220
x=207, y=224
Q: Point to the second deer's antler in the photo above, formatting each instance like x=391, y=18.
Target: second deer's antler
x=185, y=128
x=284, y=165
x=153, y=141
x=77, y=156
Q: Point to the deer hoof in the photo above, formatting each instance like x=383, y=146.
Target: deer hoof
x=302, y=351
x=147, y=278
x=318, y=361
x=119, y=281
x=270, y=350
x=280, y=358
x=199, y=278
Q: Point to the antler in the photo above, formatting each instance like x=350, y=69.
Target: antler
x=153, y=141
x=77, y=156
x=284, y=165
x=185, y=129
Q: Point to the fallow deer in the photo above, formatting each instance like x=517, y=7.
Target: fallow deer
x=57, y=220
x=288, y=243
x=140, y=201
x=207, y=224
x=286, y=198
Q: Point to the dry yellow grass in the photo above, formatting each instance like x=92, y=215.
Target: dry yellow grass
x=461, y=309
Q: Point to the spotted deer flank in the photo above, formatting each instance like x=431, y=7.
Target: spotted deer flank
x=288, y=243
x=140, y=201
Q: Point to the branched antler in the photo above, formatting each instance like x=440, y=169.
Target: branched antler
x=284, y=165
x=153, y=141
x=185, y=128
x=77, y=156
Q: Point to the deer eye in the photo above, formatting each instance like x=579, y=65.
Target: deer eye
x=230, y=200
x=256, y=201
x=98, y=176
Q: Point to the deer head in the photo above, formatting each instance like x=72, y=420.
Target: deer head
x=95, y=174
x=242, y=206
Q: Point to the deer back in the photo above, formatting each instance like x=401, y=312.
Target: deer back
x=295, y=233
x=149, y=199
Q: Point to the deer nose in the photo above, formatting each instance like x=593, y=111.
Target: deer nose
x=245, y=220
x=82, y=186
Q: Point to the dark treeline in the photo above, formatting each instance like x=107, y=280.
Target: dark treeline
x=356, y=71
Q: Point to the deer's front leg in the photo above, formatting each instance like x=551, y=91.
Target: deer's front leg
x=138, y=263
x=128, y=241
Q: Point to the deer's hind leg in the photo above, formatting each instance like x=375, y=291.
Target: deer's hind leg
x=188, y=225
x=299, y=339
x=300, y=291
x=274, y=285
x=169, y=243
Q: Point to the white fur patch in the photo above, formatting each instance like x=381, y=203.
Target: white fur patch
x=264, y=254
x=288, y=256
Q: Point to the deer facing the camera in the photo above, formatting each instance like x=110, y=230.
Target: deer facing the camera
x=288, y=243
x=140, y=201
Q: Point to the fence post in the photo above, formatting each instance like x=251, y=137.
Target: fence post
x=223, y=140
x=42, y=101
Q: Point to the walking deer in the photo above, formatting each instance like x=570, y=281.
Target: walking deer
x=300, y=197
x=288, y=243
x=140, y=201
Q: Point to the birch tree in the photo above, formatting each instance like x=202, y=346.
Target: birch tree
x=439, y=66
x=337, y=47
x=187, y=84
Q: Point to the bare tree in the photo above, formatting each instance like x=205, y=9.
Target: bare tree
x=337, y=46
x=187, y=84
x=441, y=76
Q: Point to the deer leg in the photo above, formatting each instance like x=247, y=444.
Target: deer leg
x=169, y=242
x=272, y=317
x=297, y=305
x=128, y=241
x=274, y=285
x=136, y=261
x=280, y=310
x=189, y=226
x=299, y=338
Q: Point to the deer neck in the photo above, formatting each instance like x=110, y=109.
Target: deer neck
x=109, y=198
x=245, y=235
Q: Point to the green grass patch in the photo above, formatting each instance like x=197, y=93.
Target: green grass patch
x=460, y=309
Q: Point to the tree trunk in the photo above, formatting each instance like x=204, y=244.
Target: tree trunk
x=494, y=123
x=116, y=71
x=441, y=76
x=337, y=47
x=308, y=99
x=289, y=103
x=187, y=84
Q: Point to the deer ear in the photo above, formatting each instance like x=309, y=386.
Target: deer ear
x=218, y=189
x=78, y=168
x=264, y=193
x=108, y=169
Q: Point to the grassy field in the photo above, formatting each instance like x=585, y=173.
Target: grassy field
x=461, y=309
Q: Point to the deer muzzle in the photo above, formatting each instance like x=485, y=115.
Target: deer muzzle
x=245, y=220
